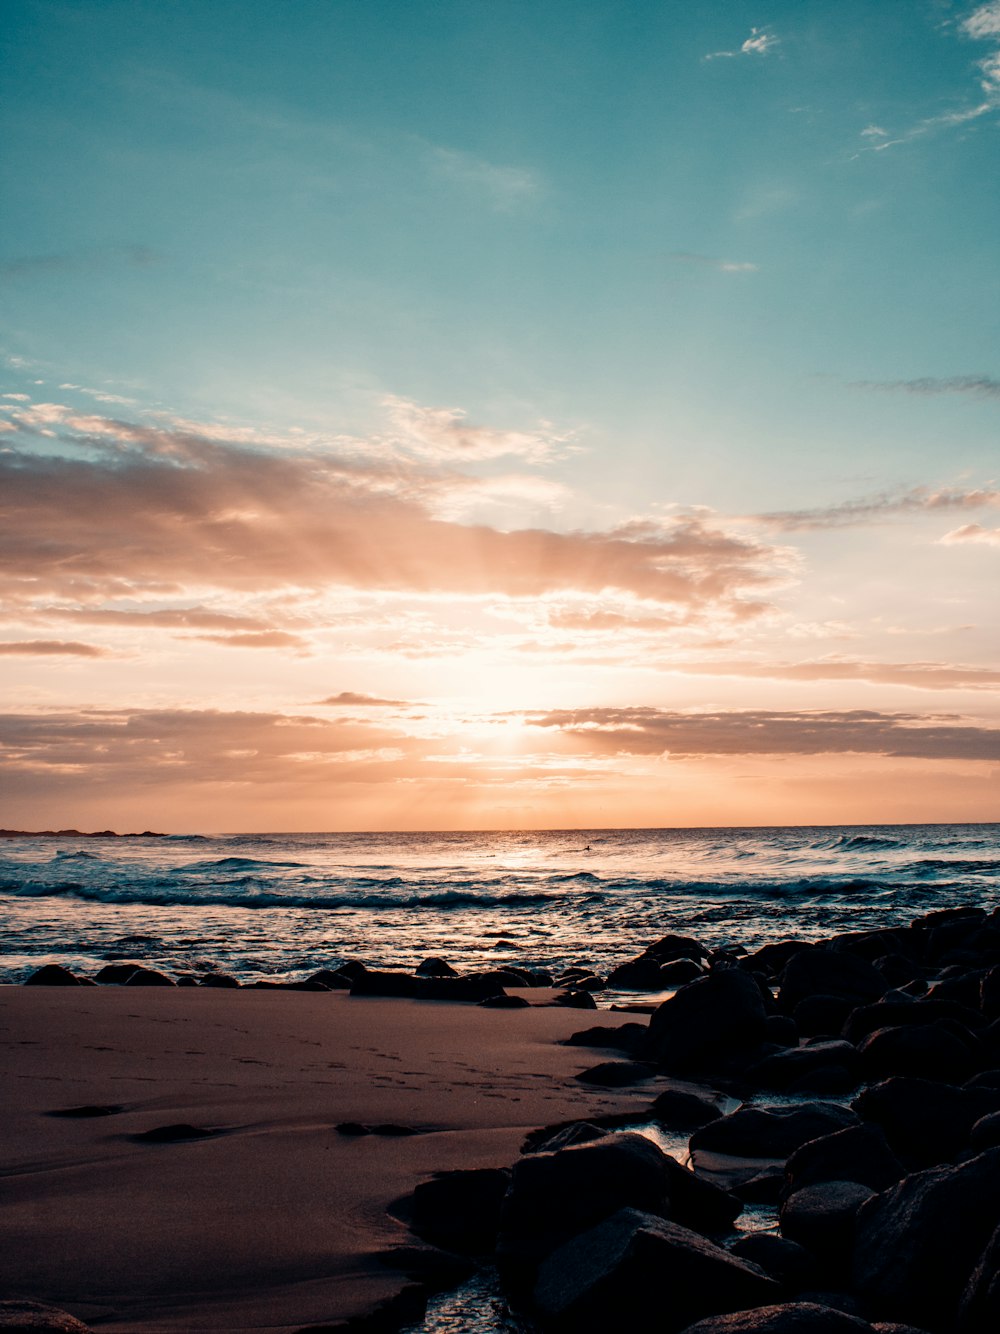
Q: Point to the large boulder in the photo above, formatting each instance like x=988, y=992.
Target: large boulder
x=979, y=1310
x=928, y=1051
x=460, y=1210
x=149, y=977
x=640, y=1273
x=789, y=1318
x=555, y=1195
x=786, y=1261
x=822, y=1219
x=918, y=1243
x=823, y=972
x=54, y=975
x=795, y=1065
x=709, y=1018
x=924, y=1120
x=687, y=1106
x=859, y=1153
x=753, y=1132
x=888, y=1013
x=24, y=1317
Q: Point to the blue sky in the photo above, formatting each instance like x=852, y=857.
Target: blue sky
x=728, y=259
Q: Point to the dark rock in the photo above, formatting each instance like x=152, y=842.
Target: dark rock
x=708, y=1018
x=979, y=1309
x=576, y=1000
x=925, y=1121
x=189, y=980
x=393, y=1130
x=552, y=1138
x=824, y=972
x=960, y=988
x=837, y=1300
x=115, y=974
x=222, y=980
x=173, y=1134
x=22, y=1317
x=148, y=977
x=460, y=1210
x=928, y=1051
x=505, y=1002
x=642, y=974
x=860, y=1153
x=586, y=982
x=639, y=1273
x=986, y=1079
x=53, y=975
x=989, y=993
x=617, y=1074
x=469, y=987
x=767, y=1187
x=623, y=1037
x=894, y=1327
x=782, y=1030
x=334, y=979
x=782, y=1069
x=868, y=1019
x=553, y=1196
x=821, y=1218
x=435, y=1269
x=353, y=1128
x=687, y=1107
x=919, y=1242
x=822, y=1015
x=435, y=968
x=90, y=1110
x=786, y=1261
x=771, y=959
x=755, y=1133
x=985, y=1134
x=671, y=947
x=679, y=971
x=789, y=1318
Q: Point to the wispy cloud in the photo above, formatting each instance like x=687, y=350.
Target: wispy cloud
x=918, y=675
x=713, y=262
x=445, y=434
x=506, y=188
x=54, y=648
x=978, y=386
x=973, y=532
x=644, y=731
x=760, y=43
x=879, y=508
x=352, y=699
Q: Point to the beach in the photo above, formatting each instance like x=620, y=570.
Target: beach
x=276, y=1221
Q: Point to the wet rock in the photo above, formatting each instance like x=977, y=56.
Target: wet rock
x=53, y=975
x=220, y=980
x=918, y=1243
x=576, y=1000
x=115, y=974
x=786, y=1261
x=552, y=1138
x=688, y=1107
x=148, y=977
x=460, y=1210
x=641, y=974
x=859, y=1153
x=24, y=1317
x=771, y=959
x=435, y=968
x=334, y=979
x=640, y=1273
x=679, y=971
x=711, y=1017
x=822, y=1219
x=789, y=1318
x=766, y=1187
x=505, y=1002
x=824, y=972
x=470, y=987
x=887, y=1013
x=755, y=1133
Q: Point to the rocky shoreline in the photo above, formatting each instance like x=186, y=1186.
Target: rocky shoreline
x=851, y=1085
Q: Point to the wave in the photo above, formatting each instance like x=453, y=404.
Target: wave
x=80, y=856
x=236, y=863
x=865, y=842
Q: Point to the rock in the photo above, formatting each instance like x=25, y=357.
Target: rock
x=686, y=1107
x=979, y=1310
x=918, y=1243
x=928, y=1051
x=642, y=974
x=584, y=982
x=90, y=1109
x=821, y=1218
x=711, y=1017
x=460, y=1211
x=173, y=1134
x=115, y=974
x=985, y=1134
x=822, y=1014
x=789, y=1318
x=679, y=971
x=894, y=1327
x=505, y=1002
x=786, y=1261
x=334, y=979
x=640, y=1273
x=860, y=1153
x=782, y=1030
x=771, y=959
x=623, y=1037
x=22, y=1317
x=754, y=1133
x=222, y=980
x=925, y=1121
x=824, y=972
x=148, y=977
x=617, y=1074
x=553, y=1196
x=782, y=1069
x=767, y=1187
x=53, y=975
x=989, y=993
x=897, y=1013
x=576, y=1000
x=435, y=968
x=469, y=987
x=552, y=1138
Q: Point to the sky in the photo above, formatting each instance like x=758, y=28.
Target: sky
x=457, y=415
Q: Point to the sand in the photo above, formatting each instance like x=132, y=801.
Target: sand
x=280, y=1222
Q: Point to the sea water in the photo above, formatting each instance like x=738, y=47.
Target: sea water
x=280, y=906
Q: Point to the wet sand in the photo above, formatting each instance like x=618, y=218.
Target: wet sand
x=276, y=1221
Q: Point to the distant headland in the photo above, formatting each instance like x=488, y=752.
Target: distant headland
x=74, y=833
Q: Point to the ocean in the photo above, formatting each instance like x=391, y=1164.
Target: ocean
x=280, y=906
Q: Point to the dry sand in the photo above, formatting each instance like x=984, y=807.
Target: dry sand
x=278, y=1222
